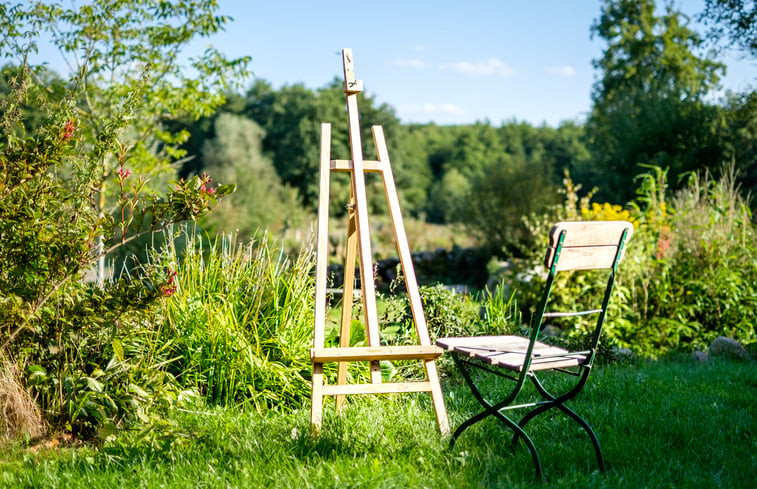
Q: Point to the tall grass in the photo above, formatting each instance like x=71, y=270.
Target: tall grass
x=240, y=320
x=19, y=415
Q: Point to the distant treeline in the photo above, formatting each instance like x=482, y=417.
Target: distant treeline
x=484, y=176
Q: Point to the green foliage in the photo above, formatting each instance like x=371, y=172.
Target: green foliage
x=261, y=201
x=450, y=313
x=84, y=345
x=240, y=324
x=291, y=118
x=499, y=199
x=735, y=19
x=701, y=272
x=120, y=48
x=648, y=103
x=688, y=275
x=741, y=139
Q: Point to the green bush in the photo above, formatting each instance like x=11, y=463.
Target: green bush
x=240, y=322
x=699, y=274
x=68, y=198
x=447, y=313
x=689, y=274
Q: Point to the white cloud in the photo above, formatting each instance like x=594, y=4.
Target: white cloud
x=489, y=67
x=410, y=63
x=417, y=48
x=444, y=108
x=566, y=71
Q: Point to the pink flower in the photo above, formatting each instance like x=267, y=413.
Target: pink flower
x=68, y=129
x=123, y=174
x=211, y=191
x=168, y=290
x=169, y=287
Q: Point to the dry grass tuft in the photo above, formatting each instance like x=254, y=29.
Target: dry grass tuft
x=20, y=416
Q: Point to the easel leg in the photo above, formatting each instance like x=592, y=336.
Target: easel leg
x=316, y=400
x=347, y=291
x=437, y=397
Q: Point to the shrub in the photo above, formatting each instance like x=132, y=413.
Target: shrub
x=447, y=313
x=67, y=199
x=700, y=274
x=688, y=276
x=240, y=321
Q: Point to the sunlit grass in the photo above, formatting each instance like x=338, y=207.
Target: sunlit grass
x=667, y=424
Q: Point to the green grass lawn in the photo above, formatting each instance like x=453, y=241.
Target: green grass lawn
x=665, y=424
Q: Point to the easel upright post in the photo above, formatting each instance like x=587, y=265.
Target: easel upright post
x=359, y=246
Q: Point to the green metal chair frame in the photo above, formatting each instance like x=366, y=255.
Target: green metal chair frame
x=583, y=245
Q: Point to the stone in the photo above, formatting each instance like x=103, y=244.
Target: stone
x=751, y=348
x=700, y=356
x=728, y=348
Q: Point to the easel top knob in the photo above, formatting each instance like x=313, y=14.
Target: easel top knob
x=351, y=85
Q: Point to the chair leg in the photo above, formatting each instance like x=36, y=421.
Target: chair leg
x=594, y=440
x=558, y=402
x=493, y=410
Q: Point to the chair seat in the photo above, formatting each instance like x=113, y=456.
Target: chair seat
x=510, y=352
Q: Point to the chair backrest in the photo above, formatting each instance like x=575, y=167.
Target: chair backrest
x=587, y=245
x=582, y=245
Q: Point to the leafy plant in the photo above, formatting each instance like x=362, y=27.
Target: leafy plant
x=59, y=183
x=239, y=324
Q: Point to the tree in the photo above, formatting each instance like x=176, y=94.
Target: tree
x=120, y=47
x=648, y=103
x=104, y=129
x=735, y=19
x=291, y=118
x=261, y=202
x=501, y=197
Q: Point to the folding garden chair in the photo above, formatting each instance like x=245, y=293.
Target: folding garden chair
x=574, y=246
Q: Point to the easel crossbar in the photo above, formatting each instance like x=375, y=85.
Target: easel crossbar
x=370, y=353
x=371, y=166
x=393, y=388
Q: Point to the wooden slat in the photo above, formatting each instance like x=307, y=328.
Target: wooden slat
x=388, y=388
x=316, y=398
x=347, y=297
x=370, y=166
x=361, y=200
x=587, y=245
x=510, y=352
x=371, y=353
x=583, y=257
x=401, y=238
x=590, y=233
x=319, y=327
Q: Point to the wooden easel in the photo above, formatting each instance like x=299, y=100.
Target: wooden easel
x=359, y=245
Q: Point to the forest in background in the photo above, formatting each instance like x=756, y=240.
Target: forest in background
x=474, y=184
x=652, y=106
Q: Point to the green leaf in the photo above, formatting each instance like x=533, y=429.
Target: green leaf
x=118, y=349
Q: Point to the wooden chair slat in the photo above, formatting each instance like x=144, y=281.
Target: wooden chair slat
x=590, y=233
x=583, y=257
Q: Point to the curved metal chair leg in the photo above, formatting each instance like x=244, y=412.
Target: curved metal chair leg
x=467, y=424
x=528, y=417
x=593, y=436
x=527, y=439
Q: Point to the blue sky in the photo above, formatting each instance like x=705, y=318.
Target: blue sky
x=438, y=60
x=442, y=61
